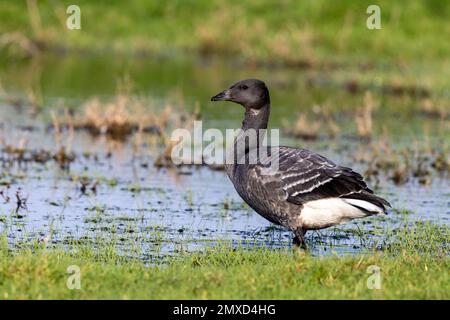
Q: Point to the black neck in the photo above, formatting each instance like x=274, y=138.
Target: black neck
x=256, y=118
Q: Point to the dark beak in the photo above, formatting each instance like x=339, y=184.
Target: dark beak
x=223, y=96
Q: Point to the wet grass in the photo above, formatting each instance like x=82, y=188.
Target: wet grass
x=121, y=117
x=413, y=265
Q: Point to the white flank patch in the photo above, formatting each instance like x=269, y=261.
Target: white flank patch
x=325, y=213
x=366, y=205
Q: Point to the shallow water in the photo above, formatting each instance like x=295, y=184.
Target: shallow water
x=162, y=211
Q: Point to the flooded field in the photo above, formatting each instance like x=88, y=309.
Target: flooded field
x=62, y=183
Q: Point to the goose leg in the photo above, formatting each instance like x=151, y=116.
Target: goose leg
x=299, y=239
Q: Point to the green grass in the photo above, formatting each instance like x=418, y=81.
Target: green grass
x=287, y=31
x=414, y=265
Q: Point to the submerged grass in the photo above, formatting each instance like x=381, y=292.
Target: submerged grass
x=413, y=266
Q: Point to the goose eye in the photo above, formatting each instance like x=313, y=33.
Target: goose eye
x=244, y=87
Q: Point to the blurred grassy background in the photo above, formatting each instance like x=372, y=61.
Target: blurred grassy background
x=286, y=31
x=311, y=53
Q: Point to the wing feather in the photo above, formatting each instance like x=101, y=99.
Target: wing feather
x=307, y=176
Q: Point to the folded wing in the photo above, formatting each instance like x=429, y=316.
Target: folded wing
x=307, y=176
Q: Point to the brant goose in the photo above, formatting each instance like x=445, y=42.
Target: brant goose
x=307, y=191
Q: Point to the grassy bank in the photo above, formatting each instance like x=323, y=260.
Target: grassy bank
x=413, y=266
x=289, y=31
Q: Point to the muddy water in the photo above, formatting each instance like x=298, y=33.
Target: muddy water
x=151, y=211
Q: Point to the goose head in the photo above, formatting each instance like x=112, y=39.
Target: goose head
x=250, y=93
